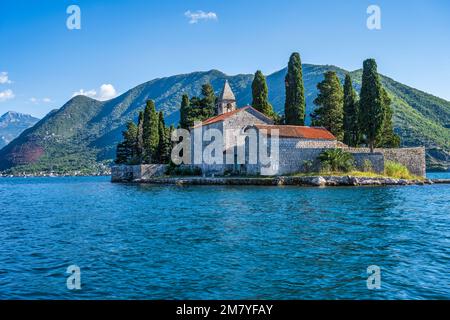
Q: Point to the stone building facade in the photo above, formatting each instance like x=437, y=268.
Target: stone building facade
x=247, y=132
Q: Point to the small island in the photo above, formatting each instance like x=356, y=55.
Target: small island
x=350, y=142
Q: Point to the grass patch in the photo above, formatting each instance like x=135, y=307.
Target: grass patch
x=352, y=173
x=396, y=170
x=390, y=172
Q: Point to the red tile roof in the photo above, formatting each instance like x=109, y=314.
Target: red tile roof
x=286, y=131
x=222, y=117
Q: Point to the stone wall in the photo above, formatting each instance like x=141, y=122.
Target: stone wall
x=238, y=122
x=295, y=152
x=128, y=173
x=375, y=160
x=217, y=169
x=411, y=158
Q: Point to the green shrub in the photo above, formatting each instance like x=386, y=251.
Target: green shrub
x=176, y=170
x=396, y=170
x=307, y=165
x=336, y=160
x=367, y=166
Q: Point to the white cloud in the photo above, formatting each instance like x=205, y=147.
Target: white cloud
x=90, y=93
x=106, y=92
x=37, y=100
x=4, y=78
x=194, y=17
x=6, y=95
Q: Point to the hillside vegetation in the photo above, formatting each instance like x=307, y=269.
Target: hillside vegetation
x=82, y=134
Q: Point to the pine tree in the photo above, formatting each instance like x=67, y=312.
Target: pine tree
x=150, y=134
x=295, y=105
x=351, y=114
x=208, y=101
x=371, y=111
x=195, y=112
x=260, y=94
x=184, y=112
x=163, y=144
x=329, y=113
x=121, y=154
x=126, y=152
x=388, y=138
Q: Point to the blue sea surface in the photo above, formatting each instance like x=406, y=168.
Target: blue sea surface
x=221, y=242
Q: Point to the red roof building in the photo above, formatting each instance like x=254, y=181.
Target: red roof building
x=286, y=131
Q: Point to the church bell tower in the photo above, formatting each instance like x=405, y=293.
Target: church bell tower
x=226, y=101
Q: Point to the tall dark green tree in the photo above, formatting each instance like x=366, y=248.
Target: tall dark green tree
x=126, y=152
x=388, y=138
x=371, y=108
x=140, y=141
x=184, y=111
x=150, y=134
x=121, y=154
x=195, y=112
x=295, y=105
x=329, y=112
x=164, y=145
x=260, y=94
x=208, y=101
x=351, y=114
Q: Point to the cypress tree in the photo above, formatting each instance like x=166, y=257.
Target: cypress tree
x=163, y=144
x=388, y=138
x=208, y=101
x=260, y=94
x=184, y=112
x=351, y=114
x=140, y=141
x=130, y=140
x=295, y=105
x=150, y=135
x=371, y=113
x=329, y=113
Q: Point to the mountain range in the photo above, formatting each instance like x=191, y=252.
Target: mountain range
x=83, y=133
x=12, y=124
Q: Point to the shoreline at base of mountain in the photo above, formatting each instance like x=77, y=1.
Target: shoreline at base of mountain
x=306, y=181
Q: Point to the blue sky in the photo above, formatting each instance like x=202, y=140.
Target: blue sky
x=124, y=43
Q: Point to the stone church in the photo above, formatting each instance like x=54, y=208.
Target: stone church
x=256, y=146
x=296, y=145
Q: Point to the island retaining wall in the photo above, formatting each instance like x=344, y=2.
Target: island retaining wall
x=129, y=173
x=411, y=158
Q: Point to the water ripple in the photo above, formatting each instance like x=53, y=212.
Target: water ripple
x=212, y=242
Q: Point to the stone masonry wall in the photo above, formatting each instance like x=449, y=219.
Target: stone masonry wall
x=411, y=158
x=128, y=173
x=217, y=169
x=237, y=121
x=294, y=152
x=376, y=161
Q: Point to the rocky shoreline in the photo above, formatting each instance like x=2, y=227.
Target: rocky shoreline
x=52, y=175
x=307, y=181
